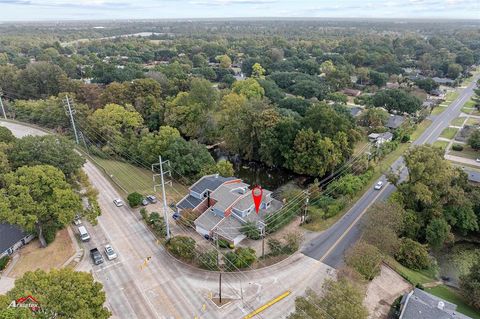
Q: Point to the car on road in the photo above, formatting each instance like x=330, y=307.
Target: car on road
x=152, y=199
x=378, y=185
x=77, y=221
x=111, y=254
x=96, y=256
x=145, y=202
x=118, y=202
x=477, y=160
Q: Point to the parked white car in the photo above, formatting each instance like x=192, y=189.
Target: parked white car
x=118, y=202
x=378, y=185
x=111, y=254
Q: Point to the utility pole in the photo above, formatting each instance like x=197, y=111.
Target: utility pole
x=261, y=227
x=215, y=237
x=69, y=110
x=162, y=184
x=1, y=104
x=305, y=208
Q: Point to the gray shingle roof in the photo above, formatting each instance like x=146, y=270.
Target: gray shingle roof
x=9, y=236
x=210, y=182
x=422, y=305
x=395, y=121
x=189, y=202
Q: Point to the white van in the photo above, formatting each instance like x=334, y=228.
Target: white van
x=84, y=236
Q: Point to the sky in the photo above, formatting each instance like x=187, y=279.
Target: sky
x=26, y=10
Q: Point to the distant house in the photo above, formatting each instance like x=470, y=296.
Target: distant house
x=356, y=111
x=443, y=81
x=12, y=238
x=352, y=92
x=420, y=304
x=224, y=205
x=392, y=85
x=395, y=121
x=379, y=138
x=437, y=92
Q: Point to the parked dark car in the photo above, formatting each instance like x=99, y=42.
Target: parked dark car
x=152, y=199
x=96, y=256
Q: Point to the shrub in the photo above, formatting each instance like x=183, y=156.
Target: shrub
x=413, y=255
x=4, y=261
x=134, y=199
x=223, y=243
x=153, y=218
x=365, y=259
x=144, y=214
x=208, y=260
x=182, y=247
x=240, y=258
x=275, y=246
x=251, y=231
x=457, y=147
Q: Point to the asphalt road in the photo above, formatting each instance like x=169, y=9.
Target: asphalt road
x=330, y=246
x=166, y=288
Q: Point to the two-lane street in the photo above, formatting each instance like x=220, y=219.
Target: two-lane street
x=331, y=245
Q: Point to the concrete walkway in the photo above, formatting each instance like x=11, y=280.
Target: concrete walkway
x=462, y=160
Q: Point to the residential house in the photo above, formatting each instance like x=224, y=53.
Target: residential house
x=352, y=92
x=420, y=304
x=379, y=138
x=356, y=111
x=12, y=238
x=443, y=81
x=224, y=205
x=392, y=85
x=395, y=121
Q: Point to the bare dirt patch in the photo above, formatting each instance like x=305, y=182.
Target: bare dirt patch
x=33, y=257
x=383, y=290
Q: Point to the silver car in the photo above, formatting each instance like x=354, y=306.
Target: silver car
x=378, y=185
x=111, y=254
x=118, y=202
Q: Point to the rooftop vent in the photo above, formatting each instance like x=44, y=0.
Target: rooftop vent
x=441, y=305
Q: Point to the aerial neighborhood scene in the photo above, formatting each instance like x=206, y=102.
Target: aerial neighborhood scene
x=240, y=159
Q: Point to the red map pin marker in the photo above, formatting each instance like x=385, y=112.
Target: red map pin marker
x=257, y=193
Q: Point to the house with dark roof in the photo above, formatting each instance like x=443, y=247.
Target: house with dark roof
x=224, y=205
x=379, y=138
x=352, y=92
x=420, y=304
x=395, y=121
x=443, y=81
x=12, y=238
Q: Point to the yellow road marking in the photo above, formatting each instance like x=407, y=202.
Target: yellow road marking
x=267, y=305
x=353, y=224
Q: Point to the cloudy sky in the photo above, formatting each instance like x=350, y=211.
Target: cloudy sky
x=158, y=9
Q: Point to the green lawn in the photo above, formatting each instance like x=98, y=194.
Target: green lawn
x=131, y=178
x=467, y=110
x=467, y=152
x=458, y=121
x=449, y=132
x=451, y=96
x=453, y=296
x=473, y=121
x=469, y=103
x=412, y=276
x=440, y=144
x=439, y=109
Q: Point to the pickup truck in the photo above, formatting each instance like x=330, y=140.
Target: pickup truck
x=96, y=256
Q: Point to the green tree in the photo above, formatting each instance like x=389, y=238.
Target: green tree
x=454, y=70
x=225, y=168
x=396, y=99
x=62, y=293
x=413, y=255
x=249, y=88
x=37, y=197
x=438, y=232
x=374, y=118
x=241, y=258
x=51, y=150
x=341, y=300
x=327, y=67
x=41, y=80
x=224, y=61
x=251, y=230
x=258, y=71
x=474, y=140
x=151, y=145
x=134, y=199
x=470, y=285
x=6, y=136
x=364, y=258
x=182, y=247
